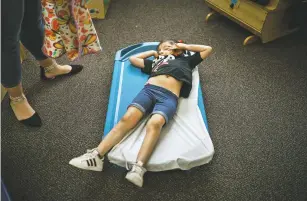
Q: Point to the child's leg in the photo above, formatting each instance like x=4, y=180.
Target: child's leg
x=127, y=122
x=93, y=159
x=141, y=104
x=153, y=129
x=163, y=111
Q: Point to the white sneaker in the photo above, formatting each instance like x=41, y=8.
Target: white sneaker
x=136, y=174
x=88, y=161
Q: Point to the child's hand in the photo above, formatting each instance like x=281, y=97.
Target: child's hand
x=179, y=46
x=155, y=54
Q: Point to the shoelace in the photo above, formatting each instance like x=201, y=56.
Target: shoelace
x=131, y=166
x=127, y=165
x=90, y=153
x=134, y=167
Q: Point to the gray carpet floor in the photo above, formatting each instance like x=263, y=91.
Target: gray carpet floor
x=255, y=101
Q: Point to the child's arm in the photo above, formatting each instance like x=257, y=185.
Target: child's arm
x=204, y=51
x=138, y=60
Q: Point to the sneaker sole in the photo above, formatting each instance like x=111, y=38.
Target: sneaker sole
x=132, y=180
x=92, y=169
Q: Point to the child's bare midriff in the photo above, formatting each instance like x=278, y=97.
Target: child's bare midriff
x=167, y=82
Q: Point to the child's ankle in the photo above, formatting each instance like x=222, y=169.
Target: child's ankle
x=140, y=163
x=98, y=154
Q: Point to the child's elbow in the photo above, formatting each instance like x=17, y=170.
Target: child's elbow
x=209, y=49
x=131, y=59
x=205, y=53
x=134, y=61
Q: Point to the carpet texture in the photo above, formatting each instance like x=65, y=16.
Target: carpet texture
x=255, y=99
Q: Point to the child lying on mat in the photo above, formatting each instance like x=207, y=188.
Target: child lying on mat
x=170, y=78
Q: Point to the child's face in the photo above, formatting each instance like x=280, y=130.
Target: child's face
x=166, y=48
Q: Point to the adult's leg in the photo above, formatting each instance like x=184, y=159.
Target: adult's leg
x=127, y=122
x=11, y=20
x=12, y=16
x=32, y=29
x=32, y=37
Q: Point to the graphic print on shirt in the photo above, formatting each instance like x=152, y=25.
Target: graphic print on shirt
x=160, y=61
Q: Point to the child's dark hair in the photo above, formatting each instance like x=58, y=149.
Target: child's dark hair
x=170, y=41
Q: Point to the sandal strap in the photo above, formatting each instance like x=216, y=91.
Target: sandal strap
x=49, y=68
x=17, y=99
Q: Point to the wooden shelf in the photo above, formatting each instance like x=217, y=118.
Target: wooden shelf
x=266, y=22
x=98, y=8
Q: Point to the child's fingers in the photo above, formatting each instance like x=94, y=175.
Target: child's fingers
x=175, y=46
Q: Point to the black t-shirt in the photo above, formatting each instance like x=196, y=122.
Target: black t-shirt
x=179, y=67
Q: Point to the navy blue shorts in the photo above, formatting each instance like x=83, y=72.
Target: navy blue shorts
x=156, y=100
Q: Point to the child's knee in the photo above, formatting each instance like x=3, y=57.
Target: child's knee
x=156, y=122
x=131, y=116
